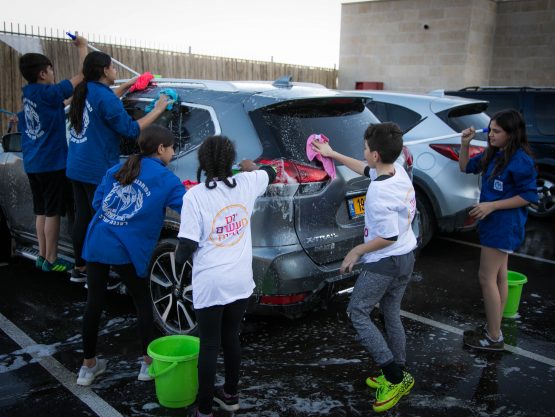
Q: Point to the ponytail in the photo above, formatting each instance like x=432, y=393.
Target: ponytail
x=93, y=70
x=130, y=170
x=77, y=106
x=150, y=139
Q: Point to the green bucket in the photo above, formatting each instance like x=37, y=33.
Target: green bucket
x=516, y=281
x=174, y=368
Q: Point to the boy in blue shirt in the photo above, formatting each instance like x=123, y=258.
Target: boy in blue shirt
x=44, y=145
x=387, y=253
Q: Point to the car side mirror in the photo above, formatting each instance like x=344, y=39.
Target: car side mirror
x=11, y=142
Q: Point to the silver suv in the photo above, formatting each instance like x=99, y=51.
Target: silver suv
x=443, y=193
x=302, y=226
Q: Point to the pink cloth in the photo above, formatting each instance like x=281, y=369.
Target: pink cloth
x=142, y=82
x=328, y=164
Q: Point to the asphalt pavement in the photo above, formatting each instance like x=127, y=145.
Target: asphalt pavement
x=311, y=366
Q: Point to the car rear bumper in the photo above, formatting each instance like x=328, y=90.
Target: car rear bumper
x=460, y=221
x=289, y=283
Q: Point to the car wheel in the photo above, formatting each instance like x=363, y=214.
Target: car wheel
x=546, y=197
x=427, y=218
x=5, y=240
x=172, y=291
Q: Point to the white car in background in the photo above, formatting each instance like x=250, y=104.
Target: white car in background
x=443, y=194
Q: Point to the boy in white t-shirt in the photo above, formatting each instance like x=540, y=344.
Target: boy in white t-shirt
x=387, y=253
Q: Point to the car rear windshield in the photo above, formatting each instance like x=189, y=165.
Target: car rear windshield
x=462, y=117
x=285, y=127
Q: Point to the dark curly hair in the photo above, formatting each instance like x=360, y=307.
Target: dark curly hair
x=216, y=156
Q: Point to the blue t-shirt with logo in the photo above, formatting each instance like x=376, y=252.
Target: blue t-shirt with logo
x=96, y=148
x=129, y=218
x=504, y=229
x=42, y=126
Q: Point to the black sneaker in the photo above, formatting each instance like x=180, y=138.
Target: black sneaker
x=226, y=402
x=480, y=340
x=78, y=276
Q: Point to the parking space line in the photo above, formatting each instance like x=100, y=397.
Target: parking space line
x=448, y=328
x=520, y=255
x=58, y=371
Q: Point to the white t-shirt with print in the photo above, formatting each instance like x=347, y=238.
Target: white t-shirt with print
x=389, y=209
x=219, y=220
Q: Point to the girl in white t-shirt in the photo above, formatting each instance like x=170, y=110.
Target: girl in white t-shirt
x=215, y=229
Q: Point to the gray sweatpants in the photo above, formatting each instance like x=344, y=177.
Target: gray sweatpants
x=384, y=282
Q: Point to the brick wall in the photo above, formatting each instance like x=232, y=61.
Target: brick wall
x=420, y=45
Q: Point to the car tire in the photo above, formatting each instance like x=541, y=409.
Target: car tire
x=171, y=292
x=546, y=196
x=5, y=240
x=427, y=218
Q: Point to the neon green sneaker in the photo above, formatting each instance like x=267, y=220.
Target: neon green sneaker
x=59, y=265
x=389, y=394
x=375, y=381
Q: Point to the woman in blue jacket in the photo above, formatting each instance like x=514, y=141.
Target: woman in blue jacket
x=98, y=121
x=130, y=205
x=508, y=186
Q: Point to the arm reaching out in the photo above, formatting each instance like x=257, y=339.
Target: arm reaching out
x=467, y=136
x=326, y=150
x=81, y=44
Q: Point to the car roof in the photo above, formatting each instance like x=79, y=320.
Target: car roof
x=262, y=93
x=429, y=101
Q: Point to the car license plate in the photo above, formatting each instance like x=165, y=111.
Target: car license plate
x=356, y=206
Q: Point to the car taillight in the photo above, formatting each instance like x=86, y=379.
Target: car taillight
x=291, y=172
x=408, y=157
x=280, y=300
x=452, y=151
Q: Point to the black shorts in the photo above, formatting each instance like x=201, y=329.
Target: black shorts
x=50, y=191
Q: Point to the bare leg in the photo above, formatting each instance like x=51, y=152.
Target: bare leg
x=52, y=233
x=492, y=262
x=503, y=286
x=39, y=224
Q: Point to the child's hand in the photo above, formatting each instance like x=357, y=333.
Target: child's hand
x=481, y=210
x=132, y=81
x=80, y=41
x=247, y=165
x=162, y=103
x=323, y=149
x=350, y=260
x=468, y=135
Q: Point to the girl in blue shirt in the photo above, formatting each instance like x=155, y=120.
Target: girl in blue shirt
x=508, y=186
x=98, y=121
x=130, y=205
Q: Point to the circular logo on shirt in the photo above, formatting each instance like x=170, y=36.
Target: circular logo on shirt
x=32, y=121
x=122, y=202
x=229, y=225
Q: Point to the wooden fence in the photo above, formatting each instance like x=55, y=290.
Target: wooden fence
x=167, y=63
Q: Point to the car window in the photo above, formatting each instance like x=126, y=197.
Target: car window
x=388, y=112
x=462, y=117
x=544, y=105
x=189, y=124
x=284, y=128
x=499, y=102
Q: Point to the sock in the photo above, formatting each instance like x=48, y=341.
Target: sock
x=393, y=373
x=500, y=339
